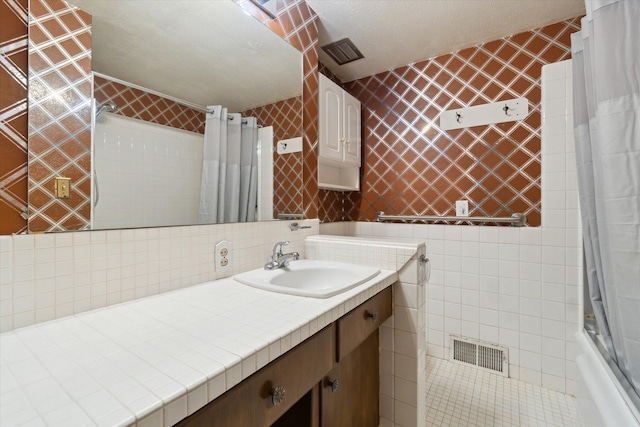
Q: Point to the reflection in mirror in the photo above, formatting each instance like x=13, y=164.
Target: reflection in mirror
x=160, y=63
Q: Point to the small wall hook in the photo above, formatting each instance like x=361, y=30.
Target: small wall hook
x=506, y=110
x=458, y=117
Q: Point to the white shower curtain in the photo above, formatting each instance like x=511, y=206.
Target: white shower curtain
x=606, y=76
x=229, y=157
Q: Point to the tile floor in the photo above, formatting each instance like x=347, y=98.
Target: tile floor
x=459, y=396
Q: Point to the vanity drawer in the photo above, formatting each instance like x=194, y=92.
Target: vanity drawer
x=250, y=402
x=355, y=326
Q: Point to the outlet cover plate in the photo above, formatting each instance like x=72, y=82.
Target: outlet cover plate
x=462, y=208
x=223, y=256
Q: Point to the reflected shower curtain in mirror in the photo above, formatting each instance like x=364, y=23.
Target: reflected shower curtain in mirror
x=606, y=85
x=228, y=190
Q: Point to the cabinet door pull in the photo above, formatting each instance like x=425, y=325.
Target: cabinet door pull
x=334, y=384
x=372, y=315
x=277, y=395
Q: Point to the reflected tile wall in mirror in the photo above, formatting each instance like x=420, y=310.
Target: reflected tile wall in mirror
x=13, y=116
x=60, y=83
x=148, y=175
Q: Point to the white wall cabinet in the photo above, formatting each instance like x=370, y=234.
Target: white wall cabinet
x=340, y=140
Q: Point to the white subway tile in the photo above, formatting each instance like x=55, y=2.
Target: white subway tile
x=489, y=317
x=489, y=333
x=553, y=292
x=553, y=311
x=489, y=251
x=553, y=273
x=530, y=236
x=530, y=306
x=509, y=303
x=553, y=382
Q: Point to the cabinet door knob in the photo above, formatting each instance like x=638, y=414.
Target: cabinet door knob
x=372, y=315
x=334, y=384
x=277, y=395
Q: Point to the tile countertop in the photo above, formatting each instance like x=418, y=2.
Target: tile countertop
x=154, y=361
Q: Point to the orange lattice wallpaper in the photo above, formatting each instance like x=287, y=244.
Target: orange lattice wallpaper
x=286, y=118
x=412, y=167
x=60, y=93
x=139, y=104
x=13, y=116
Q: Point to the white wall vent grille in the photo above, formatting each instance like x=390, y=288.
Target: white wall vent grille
x=483, y=355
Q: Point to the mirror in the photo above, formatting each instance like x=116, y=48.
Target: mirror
x=199, y=53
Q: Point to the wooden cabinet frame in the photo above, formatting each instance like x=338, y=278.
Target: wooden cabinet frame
x=347, y=349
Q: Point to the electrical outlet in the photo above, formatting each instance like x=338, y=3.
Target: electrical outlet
x=223, y=256
x=462, y=208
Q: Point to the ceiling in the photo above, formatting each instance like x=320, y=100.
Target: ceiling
x=393, y=33
x=203, y=52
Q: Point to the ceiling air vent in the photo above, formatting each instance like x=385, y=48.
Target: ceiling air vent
x=343, y=51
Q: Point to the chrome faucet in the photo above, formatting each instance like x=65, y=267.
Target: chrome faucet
x=278, y=259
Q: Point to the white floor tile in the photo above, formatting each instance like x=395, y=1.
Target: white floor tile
x=460, y=396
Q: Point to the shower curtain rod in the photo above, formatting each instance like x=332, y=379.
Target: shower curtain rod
x=517, y=219
x=230, y=117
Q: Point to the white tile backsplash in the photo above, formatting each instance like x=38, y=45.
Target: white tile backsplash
x=49, y=276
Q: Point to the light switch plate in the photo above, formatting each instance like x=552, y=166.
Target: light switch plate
x=223, y=256
x=462, y=208
x=63, y=188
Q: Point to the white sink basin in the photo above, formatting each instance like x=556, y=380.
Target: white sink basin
x=309, y=278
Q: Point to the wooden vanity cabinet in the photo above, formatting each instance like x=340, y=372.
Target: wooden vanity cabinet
x=250, y=404
x=346, y=350
x=354, y=400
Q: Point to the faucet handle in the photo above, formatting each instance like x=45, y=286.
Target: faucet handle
x=277, y=249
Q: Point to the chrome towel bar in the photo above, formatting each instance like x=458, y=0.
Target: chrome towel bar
x=517, y=219
x=282, y=215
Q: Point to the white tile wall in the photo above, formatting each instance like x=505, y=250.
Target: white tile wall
x=402, y=337
x=517, y=287
x=48, y=276
x=148, y=174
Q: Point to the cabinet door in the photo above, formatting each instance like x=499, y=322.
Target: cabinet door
x=352, y=133
x=355, y=401
x=330, y=120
